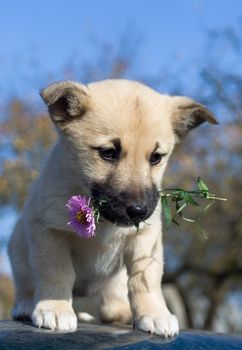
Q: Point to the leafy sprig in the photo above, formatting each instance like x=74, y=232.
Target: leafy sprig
x=97, y=205
x=183, y=199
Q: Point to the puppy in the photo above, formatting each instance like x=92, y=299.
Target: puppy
x=114, y=140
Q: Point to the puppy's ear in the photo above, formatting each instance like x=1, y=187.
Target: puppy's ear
x=188, y=114
x=65, y=100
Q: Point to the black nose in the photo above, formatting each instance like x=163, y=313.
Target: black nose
x=136, y=211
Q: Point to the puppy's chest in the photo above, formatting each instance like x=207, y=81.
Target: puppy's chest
x=97, y=260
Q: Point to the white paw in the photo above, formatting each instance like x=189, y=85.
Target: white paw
x=54, y=315
x=165, y=325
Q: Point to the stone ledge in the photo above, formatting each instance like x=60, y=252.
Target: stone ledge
x=23, y=336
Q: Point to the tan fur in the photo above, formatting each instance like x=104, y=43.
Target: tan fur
x=120, y=267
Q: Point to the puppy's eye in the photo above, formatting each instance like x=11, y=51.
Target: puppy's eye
x=156, y=158
x=109, y=154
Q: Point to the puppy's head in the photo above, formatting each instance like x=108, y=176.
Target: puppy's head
x=116, y=137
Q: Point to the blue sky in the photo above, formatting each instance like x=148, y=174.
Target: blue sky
x=42, y=36
x=8, y=217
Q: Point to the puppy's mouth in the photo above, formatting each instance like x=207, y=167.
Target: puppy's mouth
x=125, y=209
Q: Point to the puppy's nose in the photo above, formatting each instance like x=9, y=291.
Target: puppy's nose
x=136, y=210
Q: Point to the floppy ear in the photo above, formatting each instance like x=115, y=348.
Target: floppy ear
x=66, y=100
x=188, y=114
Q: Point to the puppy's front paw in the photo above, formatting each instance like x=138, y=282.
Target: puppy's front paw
x=54, y=315
x=165, y=325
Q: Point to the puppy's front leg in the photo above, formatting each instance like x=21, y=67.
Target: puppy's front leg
x=54, y=279
x=144, y=263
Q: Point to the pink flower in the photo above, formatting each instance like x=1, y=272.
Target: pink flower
x=82, y=219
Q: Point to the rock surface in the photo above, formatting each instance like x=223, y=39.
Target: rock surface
x=23, y=336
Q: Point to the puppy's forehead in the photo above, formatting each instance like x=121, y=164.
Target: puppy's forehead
x=130, y=111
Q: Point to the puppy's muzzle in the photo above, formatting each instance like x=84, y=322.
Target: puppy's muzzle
x=126, y=208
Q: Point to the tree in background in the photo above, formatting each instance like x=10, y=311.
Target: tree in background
x=25, y=138
x=209, y=271
x=206, y=272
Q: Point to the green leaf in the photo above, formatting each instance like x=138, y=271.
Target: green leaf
x=188, y=198
x=167, y=211
x=96, y=213
x=178, y=212
x=174, y=193
x=201, y=185
x=201, y=216
x=180, y=208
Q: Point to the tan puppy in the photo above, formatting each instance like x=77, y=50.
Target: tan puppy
x=115, y=138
